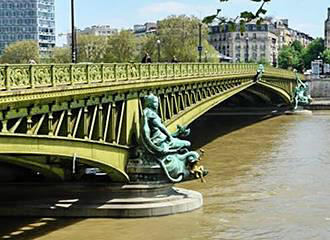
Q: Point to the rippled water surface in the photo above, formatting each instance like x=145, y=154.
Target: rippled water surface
x=268, y=179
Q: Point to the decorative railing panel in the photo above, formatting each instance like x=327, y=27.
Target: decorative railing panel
x=2, y=77
x=19, y=77
x=61, y=75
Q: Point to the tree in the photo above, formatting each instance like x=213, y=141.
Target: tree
x=326, y=56
x=297, y=46
x=263, y=61
x=147, y=43
x=313, y=51
x=178, y=37
x=122, y=47
x=210, y=53
x=61, y=55
x=21, y=52
x=91, y=48
x=290, y=58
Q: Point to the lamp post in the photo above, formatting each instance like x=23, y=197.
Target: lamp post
x=200, y=48
x=73, y=35
x=158, y=50
x=247, y=49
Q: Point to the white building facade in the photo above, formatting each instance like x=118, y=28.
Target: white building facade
x=258, y=43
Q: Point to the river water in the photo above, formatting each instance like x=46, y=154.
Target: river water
x=269, y=179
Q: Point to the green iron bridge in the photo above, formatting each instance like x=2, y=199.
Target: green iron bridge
x=55, y=117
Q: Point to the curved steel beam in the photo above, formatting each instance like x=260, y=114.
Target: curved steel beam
x=282, y=93
x=192, y=113
x=264, y=97
x=247, y=97
x=110, y=158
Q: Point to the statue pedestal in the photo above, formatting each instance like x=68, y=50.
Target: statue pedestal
x=96, y=200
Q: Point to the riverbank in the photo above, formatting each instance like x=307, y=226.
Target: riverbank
x=319, y=104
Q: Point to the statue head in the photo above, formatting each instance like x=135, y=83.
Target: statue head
x=151, y=101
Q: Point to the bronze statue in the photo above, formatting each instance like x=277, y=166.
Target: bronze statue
x=300, y=93
x=171, y=152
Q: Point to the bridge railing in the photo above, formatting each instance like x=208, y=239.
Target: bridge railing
x=51, y=75
x=281, y=72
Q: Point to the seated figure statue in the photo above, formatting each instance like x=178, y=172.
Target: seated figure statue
x=167, y=149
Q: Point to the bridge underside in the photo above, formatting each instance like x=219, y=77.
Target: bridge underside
x=257, y=96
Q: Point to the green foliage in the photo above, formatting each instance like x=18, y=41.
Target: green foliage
x=61, y=55
x=288, y=58
x=263, y=61
x=291, y=57
x=147, y=44
x=210, y=53
x=297, y=57
x=244, y=17
x=297, y=46
x=326, y=56
x=91, y=48
x=178, y=37
x=122, y=47
x=313, y=51
x=21, y=52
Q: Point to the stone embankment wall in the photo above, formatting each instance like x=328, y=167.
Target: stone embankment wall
x=320, y=88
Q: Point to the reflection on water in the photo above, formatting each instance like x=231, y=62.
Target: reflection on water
x=268, y=180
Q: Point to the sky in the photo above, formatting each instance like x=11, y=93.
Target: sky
x=304, y=15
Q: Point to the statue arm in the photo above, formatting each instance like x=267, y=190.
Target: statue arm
x=182, y=131
x=299, y=80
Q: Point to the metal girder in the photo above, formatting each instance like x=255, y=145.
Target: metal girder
x=108, y=157
x=280, y=91
x=190, y=114
x=261, y=95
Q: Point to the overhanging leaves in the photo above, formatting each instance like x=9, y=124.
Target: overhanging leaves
x=244, y=17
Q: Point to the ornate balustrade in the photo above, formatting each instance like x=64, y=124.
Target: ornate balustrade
x=282, y=73
x=52, y=75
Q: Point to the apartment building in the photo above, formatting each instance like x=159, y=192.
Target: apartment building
x=287, y=35
x=28, y=20
x=99, y=30
x=258, y=43
x=143, y=29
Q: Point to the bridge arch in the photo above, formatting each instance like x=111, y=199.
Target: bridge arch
x=109, y=158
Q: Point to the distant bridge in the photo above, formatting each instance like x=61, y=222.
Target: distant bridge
x=52, y=116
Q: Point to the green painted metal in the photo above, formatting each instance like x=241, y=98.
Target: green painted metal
x=94, y=110
x=111, y=159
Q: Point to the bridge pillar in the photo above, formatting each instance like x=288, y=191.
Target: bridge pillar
x=131, y=127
